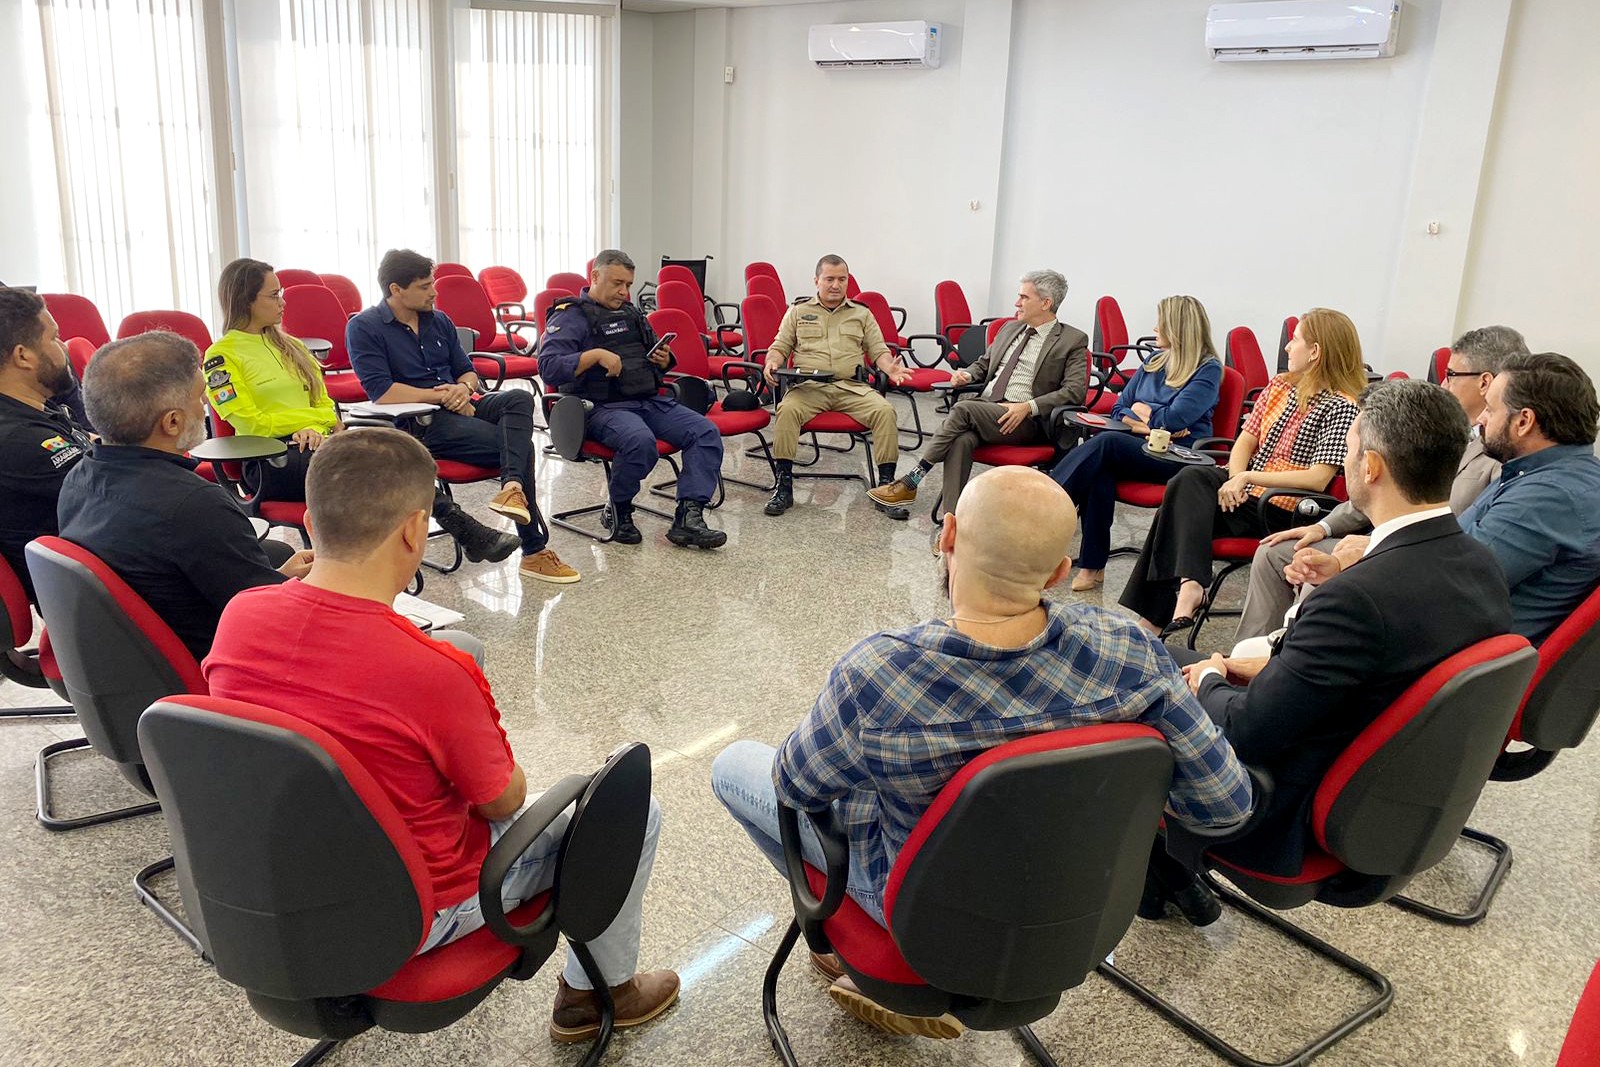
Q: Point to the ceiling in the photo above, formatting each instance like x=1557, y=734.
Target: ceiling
x=658, y=6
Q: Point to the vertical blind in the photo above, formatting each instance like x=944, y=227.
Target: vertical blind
x=337, y=102
x=530, y=122
x=129, y=110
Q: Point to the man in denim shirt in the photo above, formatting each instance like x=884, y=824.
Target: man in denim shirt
x=1540, y=516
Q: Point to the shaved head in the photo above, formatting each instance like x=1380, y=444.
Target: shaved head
x=1013, y=526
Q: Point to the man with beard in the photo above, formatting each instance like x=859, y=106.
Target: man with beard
x=135, y=501
x=904, y=711
x=39, y=439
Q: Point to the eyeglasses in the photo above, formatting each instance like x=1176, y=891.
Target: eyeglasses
x=1462, y=373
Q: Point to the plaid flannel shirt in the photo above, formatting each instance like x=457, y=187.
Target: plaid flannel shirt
x=902, y=712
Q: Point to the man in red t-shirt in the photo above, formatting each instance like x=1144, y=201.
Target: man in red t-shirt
x=416, y=712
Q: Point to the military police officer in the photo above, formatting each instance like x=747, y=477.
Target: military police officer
x=598, y=346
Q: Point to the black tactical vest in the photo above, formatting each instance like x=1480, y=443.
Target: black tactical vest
x=620, y=331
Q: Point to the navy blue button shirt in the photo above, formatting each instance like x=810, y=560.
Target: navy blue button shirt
x=383, y=350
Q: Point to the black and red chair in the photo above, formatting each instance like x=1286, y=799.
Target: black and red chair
x=1285, y=332
x=761, y=317
x=190, y=327
x=1582, y=1046
x=451, y=270
x=1438, y=363
x=314, y=314
x=952, y=314
x=244, y=479
x=18, y=663
x=1020, y=877
x=116, y=657
x=926, y=372
x=569, y=281
x=76, y=316
x=1389, y=808
x=499, y=353
x=567, y=418
x=345, y=290
x=506, y=291
x=680, y=295
x=289, y=276
x=1244, y=356
x=315, y=898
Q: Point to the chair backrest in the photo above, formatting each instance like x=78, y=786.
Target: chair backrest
x=974, y=343
x=683, y=297
x=760, y=269
x=76, y=316
x=80, y=350
x=16, y=617
x=568, y=281
x=503, y=285
x=179, y=322
x=321, y=892
x=1564, y=697
x=1438, y=364
x=451, y=270
x=1397, y=797
x=950, y=310
x=463, y=299
x=116, y=656
x=288, y=276
x=599, y=857
x=314, y=311
x=1110, y=329
x=1026, y=869
x=761, y=317
x=688, y=346
x=878, y=304
x=676, y=272
x=1285, y=332
x=852, y=288
x=767, y=286
x=347, y=292
x=1229, y=412
x=544, y=301
x=1244, y=355
x=993, y=329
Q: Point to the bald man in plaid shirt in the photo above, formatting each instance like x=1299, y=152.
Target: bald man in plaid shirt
x=902, y=712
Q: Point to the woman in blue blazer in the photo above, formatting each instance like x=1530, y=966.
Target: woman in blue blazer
x=1175, y=390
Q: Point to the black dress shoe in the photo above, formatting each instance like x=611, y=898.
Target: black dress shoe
x=1198, y=904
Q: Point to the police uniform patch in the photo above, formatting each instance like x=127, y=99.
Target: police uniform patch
x=218, y=378
x=809, y=318
x=224, y=395
x=552, y=329
x=213, y=363
x=55, y=444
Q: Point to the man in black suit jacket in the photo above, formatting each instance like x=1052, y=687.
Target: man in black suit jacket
x=1422, y=591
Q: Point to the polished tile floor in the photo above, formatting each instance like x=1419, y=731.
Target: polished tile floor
x=687, y=651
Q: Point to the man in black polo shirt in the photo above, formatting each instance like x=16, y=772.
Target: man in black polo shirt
x=39, y=439
x=405, y=352
x=135, y=501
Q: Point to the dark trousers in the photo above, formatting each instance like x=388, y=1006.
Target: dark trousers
x=972, y=423
x=287, y=482
x=1178, y=545
x=630, y=428
x=1090, y=473
x=499, y=433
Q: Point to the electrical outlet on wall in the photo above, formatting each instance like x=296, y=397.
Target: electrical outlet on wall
x=727, y=75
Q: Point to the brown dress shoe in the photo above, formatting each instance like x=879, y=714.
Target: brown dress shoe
x=828, y=965
x=513, y=504
x=638, y=1000
x=852, y=1000
x=893, y=493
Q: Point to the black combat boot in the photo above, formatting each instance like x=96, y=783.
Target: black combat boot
x=782, y=496
x=478, y=542
x=689, y=529
x=618, y=516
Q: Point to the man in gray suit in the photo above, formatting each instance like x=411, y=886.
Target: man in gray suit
x=1035, y=365
x=1474, y=361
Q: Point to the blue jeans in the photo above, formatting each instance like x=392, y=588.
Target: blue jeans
x=1090, y=472
x=616, y=952
x=630, y=429
x=741, y=777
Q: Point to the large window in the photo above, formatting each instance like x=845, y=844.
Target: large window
x=130, y=126
x=531, y=127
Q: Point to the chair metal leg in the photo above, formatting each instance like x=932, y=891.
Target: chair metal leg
x=58, y=711
x=1376, y=1006
x=1480, y=904
x=918, y=434
x=1207, y=611
x=869, y=480
x=602, y=992
x=456, y=559
x=147, y=897
x=48, y=819
x=769, y=997
x=318, y=1053
x=1035, y=1047
x=564, y=519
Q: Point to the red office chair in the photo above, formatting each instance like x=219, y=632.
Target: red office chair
x=1388, y=808
x=18, y=663
x=761, y=317
x=315, y=904
x=1398, y=376
x=568, y=436
x=543, y=301
x=293, y=276
x=1244, y=355
x=1285, y=332
x=1108, y=348
x=244, y=480
x=80, y=350
x=345, y=290
x=190, y=327
x=76, y=316
x=500, y=352
x=313, y=314
x=852, y=288
x=451, y=270
x=1438, y=365
x=1020, y=877
x=924, y=375
x=769, y=287
x=569, y=281
x=952, y=316
x=1582, y=1046
x=674, y=292
x=760, y=269
x=506, y=290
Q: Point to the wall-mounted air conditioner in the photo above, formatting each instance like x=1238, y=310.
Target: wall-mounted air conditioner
x=876, y=44
x=1302, y=29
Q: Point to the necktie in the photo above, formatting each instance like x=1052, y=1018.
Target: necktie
x=997, y=392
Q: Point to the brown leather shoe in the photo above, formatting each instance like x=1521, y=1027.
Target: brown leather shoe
x=546, y=566
x=852, y=1000
x=638, y=1000
x=828, y=965
x=893, y=493
x=513, y=504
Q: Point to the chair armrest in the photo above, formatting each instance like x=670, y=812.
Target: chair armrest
x=1189, y=844
x=900, y=317
x=517, y=839
x=566, y=416
x=319, y=348
x=951, y=327
x=498, y=360
x=753, y=379
x=910, y=348
x=835, y=852
x=501, y=310
x=873, y=377
x=1311, y=506
x=716, y=311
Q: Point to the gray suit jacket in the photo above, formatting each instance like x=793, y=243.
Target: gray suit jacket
x=1062, y=374
x=1476, y=471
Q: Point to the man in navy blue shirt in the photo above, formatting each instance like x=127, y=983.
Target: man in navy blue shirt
x=405, y=352
x=599, y=346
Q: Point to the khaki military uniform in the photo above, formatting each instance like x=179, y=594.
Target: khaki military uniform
x=835, y=342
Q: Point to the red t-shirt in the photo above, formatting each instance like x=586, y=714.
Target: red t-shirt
x=416, y=713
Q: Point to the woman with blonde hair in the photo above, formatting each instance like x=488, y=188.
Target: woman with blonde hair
x=264, y=382
x=1293, y=439
x=1175, y=390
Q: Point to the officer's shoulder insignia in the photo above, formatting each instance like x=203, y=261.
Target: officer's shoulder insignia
x=218, y=378
x=213, y=363
x=224, y=395
x=55, y=444
x=552, y=328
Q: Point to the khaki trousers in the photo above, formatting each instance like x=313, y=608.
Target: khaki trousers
x=805, y=402
x=972, y=423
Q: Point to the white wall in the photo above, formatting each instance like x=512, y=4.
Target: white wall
x=636, y=181
x=30, y=228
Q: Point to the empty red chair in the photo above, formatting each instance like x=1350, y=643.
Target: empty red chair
x=760, y=269
x=1244, y=356
x=451, y=270
x=506, y=291
x=1109, y=347
x=313, y=313
x=291, y=276
x=568, y=281
x=544, y=301
x=347, y=291
x=852, y=288
x=685, y=297
x=761, y=317
x=181, y=323
x=1438, y=365
x=767, y=286
x=17, y=662
x=76, y=316
x=80, y=350
x=677, y=272
x=952, y=316
x=499, y=352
